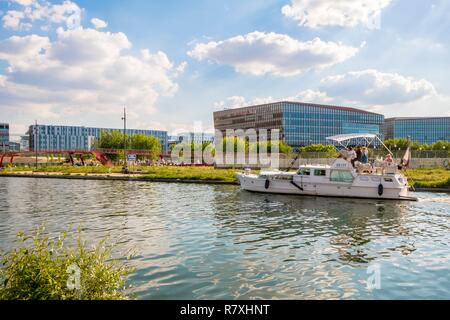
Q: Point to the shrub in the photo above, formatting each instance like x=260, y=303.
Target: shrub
x=45, y=269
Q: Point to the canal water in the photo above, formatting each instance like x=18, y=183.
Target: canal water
x=217, y=242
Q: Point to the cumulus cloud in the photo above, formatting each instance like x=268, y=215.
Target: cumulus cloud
x=98, y=23
x=81, y=71
x=260, y=53
x=343, y=13
x=387, y=93
x=311, y=96
x=27, y=12
x=235, y=102
x=372, y=87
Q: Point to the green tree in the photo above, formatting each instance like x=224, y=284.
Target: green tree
x=147, y=143
x=441, y=146
x=116, y=140
x=403, y=144
x=319, y=148
x=111, y=140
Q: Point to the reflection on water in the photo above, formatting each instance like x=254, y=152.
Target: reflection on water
x=217, y=242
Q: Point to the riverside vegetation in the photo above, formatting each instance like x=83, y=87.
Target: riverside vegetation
x=41, y=268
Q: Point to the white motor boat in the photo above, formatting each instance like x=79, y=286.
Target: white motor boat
x=379, y=181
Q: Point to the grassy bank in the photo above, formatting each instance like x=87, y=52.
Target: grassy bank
x=429, y=178
x=189, y=173
x=149, y=172
x=419, y=178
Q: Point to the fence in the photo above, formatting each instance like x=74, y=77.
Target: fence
x=420, y=159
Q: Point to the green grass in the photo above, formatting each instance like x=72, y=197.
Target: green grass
x=190, y=173
x=429, y=178
x=150, y=172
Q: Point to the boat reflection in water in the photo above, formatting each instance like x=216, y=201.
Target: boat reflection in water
x=349, y=224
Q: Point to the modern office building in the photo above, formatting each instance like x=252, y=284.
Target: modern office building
x=25, y=143
x=423, y=130
x=196, y=137
x=300, y=124
x=4, y=136
x=48, y=137
x=14, y=146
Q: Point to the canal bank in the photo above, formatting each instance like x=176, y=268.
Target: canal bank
x=115, y=177
x=142, y=178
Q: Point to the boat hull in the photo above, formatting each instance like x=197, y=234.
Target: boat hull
x=254, y=183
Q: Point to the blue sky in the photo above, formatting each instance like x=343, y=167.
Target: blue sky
x=175, y=62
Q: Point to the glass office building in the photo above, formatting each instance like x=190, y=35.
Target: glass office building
x=195, y=137
x=300, y=124
x=45, y=137
x=422, y=130
x=4, y=136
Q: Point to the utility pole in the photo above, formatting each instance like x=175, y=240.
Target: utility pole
x=36, y=133
x=125, y=167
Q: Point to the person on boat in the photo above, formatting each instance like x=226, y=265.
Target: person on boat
x=389, y=159
x=365, y=156
x=359, y=154
x=351, y=156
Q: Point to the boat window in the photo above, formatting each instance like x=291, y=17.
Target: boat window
x=341, y=176
x=388, y=180
x=320, y=173
x=283, y=178
x=304, y=172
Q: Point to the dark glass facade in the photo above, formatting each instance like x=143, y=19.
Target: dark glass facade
x=301, y=124
x=4, y=136
x=422, y=130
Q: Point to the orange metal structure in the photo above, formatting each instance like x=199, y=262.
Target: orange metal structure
x=101, y=155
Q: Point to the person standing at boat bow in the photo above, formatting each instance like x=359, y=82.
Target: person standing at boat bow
x=352, y=156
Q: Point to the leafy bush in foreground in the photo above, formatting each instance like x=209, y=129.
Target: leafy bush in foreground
x=45, y=269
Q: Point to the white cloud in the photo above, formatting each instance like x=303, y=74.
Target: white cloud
x=372, y=87
x=235, y=102
x=260, y=53
x=28, y=12
x=98, y=23
x=24, y=2
x=83, y=71
x=343, y=13
x=311, y=96
x=387, y=93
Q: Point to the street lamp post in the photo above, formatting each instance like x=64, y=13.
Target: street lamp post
x=36, y=133
x=125, y=167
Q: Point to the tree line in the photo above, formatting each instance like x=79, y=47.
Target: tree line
x=118, y=141
x=402, y=144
